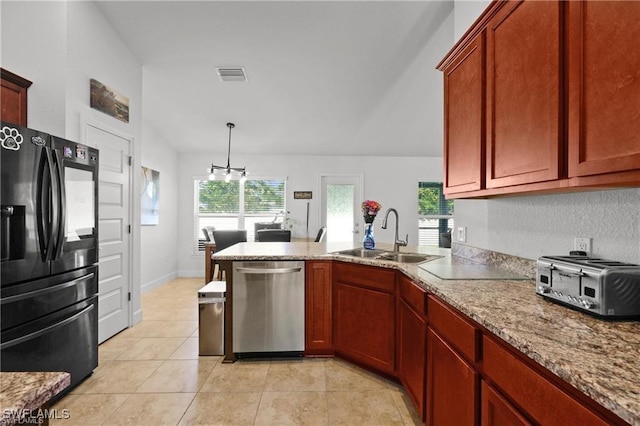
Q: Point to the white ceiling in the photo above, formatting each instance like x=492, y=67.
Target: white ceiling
x=320, y=73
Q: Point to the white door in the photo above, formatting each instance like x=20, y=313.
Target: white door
x=341, y=197
x=114, y=218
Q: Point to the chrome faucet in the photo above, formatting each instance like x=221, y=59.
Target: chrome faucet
x=396, y=242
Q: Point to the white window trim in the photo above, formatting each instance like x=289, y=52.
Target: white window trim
x=196, y=231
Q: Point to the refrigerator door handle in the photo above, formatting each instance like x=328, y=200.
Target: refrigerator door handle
x=60, y=201
x=43, y=209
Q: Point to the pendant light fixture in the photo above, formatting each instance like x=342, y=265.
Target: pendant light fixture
x=228, y=170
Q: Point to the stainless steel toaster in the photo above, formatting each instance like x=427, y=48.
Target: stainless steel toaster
x=604, y=288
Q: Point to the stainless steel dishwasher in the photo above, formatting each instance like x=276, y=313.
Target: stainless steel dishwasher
x=268, y=308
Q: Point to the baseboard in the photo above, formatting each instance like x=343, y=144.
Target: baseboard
x=158, y=282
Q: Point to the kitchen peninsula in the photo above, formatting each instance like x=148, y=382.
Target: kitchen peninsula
x=579, y=358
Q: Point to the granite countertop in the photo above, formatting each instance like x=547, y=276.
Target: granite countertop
x=600, y=358
x=22, y=392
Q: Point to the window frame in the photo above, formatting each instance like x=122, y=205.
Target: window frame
x=197, y=238
x=443, y=219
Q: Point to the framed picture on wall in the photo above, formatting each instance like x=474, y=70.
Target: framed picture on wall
x=150, y=196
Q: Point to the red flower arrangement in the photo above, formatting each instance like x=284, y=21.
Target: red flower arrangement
x=370, y=209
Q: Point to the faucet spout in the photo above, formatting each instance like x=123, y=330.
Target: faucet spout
x=396, y=242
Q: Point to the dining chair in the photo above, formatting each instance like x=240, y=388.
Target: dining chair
x=321, y=233
x=224, y=239
x=207, y=231
x=264, y=235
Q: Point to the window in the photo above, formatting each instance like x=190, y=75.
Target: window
x=435, y=214
x=236, y=205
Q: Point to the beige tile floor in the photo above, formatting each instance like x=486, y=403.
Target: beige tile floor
x=151, y=374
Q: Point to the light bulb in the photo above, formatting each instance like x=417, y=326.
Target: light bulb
x=212, y=176
x=227, y=178
x=243, y=178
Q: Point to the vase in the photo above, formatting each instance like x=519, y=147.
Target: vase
x=369, y=242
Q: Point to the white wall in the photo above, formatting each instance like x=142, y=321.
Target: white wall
x=34, y=37
x=392, y=181
x=60, y=46
x=532, y=226
x=465, y=12
x=159, y=252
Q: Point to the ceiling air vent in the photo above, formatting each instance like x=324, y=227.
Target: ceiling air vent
x=231, y=73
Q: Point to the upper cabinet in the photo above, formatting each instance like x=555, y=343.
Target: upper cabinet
x=524, y=104
x=543, y=96
x=604, y=87
x=13, y=97
x=464, y=106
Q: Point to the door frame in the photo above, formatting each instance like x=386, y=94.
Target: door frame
x=359, y=177
x=133, y=316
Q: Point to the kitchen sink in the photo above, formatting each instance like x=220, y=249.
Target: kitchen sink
x=405, y=257
x=388, y=255
x=360, y=252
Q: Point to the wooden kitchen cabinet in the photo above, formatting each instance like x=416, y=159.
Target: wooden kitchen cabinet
x=412, y=354
x=464, y=120
x=497, y=411
x=364, y=315
x=524, y=94
x=318, y=306
x=604, y=88
x=559, y=83
x=13, y=97
x=542, y=400
x=453, y=386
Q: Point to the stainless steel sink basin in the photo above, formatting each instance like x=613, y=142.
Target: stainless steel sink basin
x=388, y=255
x=405, y=257
x=360, y=252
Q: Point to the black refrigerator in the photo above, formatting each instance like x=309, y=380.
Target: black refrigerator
x=49, y=267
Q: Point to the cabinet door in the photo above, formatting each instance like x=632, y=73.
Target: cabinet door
x=496, y=411
x=524, y=100
x=452, y=385
x=364, y=326
x=543, y=401
x=318, y=332
x=412, y=354
x=13, y=98
x=464, y=120
x=604, y=87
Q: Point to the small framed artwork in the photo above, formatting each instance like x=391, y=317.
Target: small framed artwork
x=150, y=196
x=302, y=195
x=106, y=100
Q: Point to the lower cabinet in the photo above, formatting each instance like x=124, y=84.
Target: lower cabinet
x=542, y=400
x=497, y=411
x=452, y=385
x=318, y=315
x=412, y=354
x=455, y=371
x=364, y=315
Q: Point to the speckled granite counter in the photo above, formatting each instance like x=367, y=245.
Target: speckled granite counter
x=600, y=358
x=22, y=392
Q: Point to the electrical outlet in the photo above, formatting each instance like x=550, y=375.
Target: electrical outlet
x=462, y=234
x=582, y=244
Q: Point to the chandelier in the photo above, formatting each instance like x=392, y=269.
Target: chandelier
x=227, y=170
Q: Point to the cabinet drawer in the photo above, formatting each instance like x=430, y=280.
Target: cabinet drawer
x=460, y=333
x=366, y=276
x=540, y=398
x=413, y=295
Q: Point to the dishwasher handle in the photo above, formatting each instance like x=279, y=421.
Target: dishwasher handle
x=263, y=271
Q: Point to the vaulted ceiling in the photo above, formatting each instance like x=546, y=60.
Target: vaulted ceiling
x=324, y=77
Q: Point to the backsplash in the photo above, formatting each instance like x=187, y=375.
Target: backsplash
x=515, y=264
